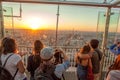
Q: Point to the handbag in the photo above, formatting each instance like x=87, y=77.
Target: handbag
x=90, y=75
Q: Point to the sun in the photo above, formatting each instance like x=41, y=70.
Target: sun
x=34, y=23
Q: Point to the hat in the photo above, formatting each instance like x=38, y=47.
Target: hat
x=46, y=53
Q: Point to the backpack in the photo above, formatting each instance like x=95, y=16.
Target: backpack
x=47, y=73
x=4, y=70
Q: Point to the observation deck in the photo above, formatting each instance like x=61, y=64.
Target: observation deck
x=68, y=24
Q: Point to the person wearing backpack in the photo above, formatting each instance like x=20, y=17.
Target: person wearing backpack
x=5, y=74
x=47, y=70
x=34, y=60
x=96, y=57
x=10, y=60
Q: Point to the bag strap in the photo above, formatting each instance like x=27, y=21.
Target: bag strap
x=7, y=60
x=88, y=62
x=98, y=54
x=15, y=74
x=63, y=76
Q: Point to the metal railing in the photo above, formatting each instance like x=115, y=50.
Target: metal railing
x=70, y=74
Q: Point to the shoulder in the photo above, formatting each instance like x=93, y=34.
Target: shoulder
x=17, y=56
x=95, y=54
x=60, y=67
x=63, y=66
x=14, y=59
x=114, y=72
x=99, y=50
x=13, y=55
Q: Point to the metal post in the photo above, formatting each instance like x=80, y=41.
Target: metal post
x=105, y=36
x=97, y=24
x=117, y=25
x=13, y=23
x=57, y=25
x=1, y=21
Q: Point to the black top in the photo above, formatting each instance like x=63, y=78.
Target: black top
x=33, y=63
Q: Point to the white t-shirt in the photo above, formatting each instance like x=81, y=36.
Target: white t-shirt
x=114, y=75
x=11, y=65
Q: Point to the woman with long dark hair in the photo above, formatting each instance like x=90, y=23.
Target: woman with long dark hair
x=34, y=60
x=11, y=60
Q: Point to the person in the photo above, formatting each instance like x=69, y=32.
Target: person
x=14, y=63
x=113, y=75
x=82, y=64
x=114, y=70
x=58, y=59
x=115, y=48
x=34, y=60
x=54, y=72
x=96, y=56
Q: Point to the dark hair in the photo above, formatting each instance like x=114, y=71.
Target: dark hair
x=85, y=49
x=8, y=45
x=58, y=58
x=94, y=43
x=116, y=65
x=4, y=74
x=38, y=45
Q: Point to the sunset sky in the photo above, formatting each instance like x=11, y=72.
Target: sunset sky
x=44, y=17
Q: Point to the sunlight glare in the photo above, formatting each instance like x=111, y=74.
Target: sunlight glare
x=35, y=23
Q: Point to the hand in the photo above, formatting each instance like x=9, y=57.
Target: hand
x=116, y=41
x=91, y=49
x=21, y=53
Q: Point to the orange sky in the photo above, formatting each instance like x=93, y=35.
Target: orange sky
x=44, y=17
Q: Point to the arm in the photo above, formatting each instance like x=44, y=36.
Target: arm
x=113, y=46
x=60, y=68
x=20, y=66
x=76, y=58
x=29, y=64
x=65, y=56
x=116, y=52
x=86, y=56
